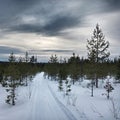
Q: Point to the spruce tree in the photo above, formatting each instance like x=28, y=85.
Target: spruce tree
x=74, y=67
x=33, y=59
x=68, y=87
x=97, y=46
x=53, y=59
x=97, y=49
x=12, y=57
x=108, y=88
x=60, y=85
x=53, y=67
x=26, y=57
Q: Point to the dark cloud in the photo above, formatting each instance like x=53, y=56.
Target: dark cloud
x=60, y=23
x=54, y=27
x=59, y=15
x=55, y=14
x=58, y=51
x=26, y=28
x=8, y=50
x=52, y=50
x=112, y=4
x=10, y=9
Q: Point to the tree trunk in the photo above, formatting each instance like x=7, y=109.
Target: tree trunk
x=92, y=89
x=96, y=80
x=108, y=95
x=13, y=96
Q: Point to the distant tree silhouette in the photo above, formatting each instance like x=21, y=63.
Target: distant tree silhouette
x=26, y=57
x=12, y=57
x=53, y=59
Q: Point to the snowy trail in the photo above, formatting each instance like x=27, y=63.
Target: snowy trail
x=62, y=106
x=82, y=115
x=44, y=105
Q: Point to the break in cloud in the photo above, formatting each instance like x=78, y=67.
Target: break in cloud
x=53, y=26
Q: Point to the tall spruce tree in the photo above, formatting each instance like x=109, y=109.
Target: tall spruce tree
x=97, y=46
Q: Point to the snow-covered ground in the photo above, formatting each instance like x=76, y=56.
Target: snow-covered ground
x=41, y=100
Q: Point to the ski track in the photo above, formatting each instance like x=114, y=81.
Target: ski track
x=66, y=110
x=62, y=106
x=44, y=105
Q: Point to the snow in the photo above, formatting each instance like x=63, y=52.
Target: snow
x=41, y=100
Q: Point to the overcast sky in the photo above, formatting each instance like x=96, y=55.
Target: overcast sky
x=46, y=27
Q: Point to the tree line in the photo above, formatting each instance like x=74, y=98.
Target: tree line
x=14, y=74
